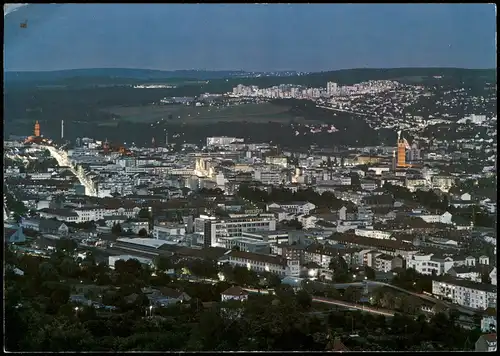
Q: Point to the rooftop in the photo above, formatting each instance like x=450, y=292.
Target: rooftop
x=491, y=338
x=467, y=284
x=143, y=241
x=235, y=291
x=274, y=260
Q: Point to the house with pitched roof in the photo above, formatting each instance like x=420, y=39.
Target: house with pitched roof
x=234, y=293
x=486, y=343
x=13, y=236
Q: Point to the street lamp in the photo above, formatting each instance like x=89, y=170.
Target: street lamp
x=76, y=311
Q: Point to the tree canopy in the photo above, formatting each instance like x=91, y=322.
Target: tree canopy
x=40, y=317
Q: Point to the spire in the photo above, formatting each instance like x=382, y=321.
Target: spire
x=106, y=146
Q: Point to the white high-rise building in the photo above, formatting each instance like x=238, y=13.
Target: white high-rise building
x=331, y=88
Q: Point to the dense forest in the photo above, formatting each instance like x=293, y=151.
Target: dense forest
x=84, y=108
x=223, y=81
x=81, y=110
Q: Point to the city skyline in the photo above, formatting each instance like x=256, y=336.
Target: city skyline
x=249, y=37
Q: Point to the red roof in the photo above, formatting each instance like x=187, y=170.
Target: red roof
x=490, y=337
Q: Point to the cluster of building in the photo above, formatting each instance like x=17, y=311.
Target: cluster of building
x=290, y=91
x=187, y=204
x=395, y=106
x=95, y=183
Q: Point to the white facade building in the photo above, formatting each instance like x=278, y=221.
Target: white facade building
x=234, y=293
x=426, y=263
x=112, y=260
x=295, y=208
x=216, y=231
x=374, y=234
x=307, y=221
x=466, y=293
x=263, y=263
x=223, y=141
x=268, y=176
x=445, y=218
x=164, y=231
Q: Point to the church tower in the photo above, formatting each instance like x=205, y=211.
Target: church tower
x=37, y=129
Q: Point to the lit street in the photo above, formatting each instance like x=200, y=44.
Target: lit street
x=63, y=161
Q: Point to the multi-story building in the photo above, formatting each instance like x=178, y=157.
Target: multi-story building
x=390, y=247
x=466, y=293
x=369, y=185
x=386, y=263
x=320, y=254
x=277, y=161
x=223, y=141
x=136, y=226
x=489, y=323
x=247, y=244
x=307, y=221
x=301, y=207
x=343, y=226
x=443, y=183
x=262, y=263
x=374, y=234
x=294, y=252
x=331, y=88
x=98, y=213
x=365, y=213
x=474, y=273
x=428, y=263
x=444, y=218
x=269, y=176
x=272, y=236
x=415, y=183
x=114, y=259
x=60, y=214
x=216, y=231
x=164, y=231
x=368, y=258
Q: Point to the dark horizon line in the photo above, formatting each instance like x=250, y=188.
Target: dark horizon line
x=242, y=70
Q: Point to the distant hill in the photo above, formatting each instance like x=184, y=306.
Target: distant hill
x=221, y=81
x=352, y=76
x=450, y=77
x=116, y=73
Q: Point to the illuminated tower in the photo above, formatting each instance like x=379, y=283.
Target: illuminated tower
x=37, y=129
x=62, y=129
x=153, y=142
x=166, y=138
x=401, y=151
